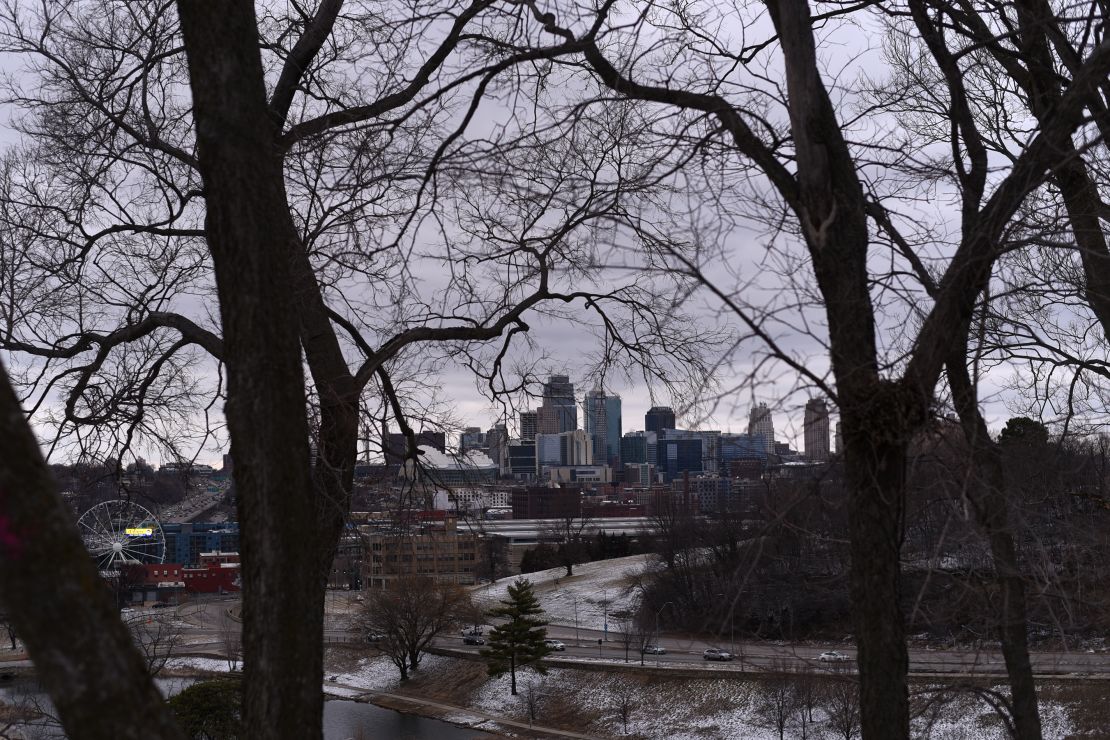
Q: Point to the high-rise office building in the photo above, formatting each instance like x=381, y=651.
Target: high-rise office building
x=614, y=430
x=471, y=439
x=760, y=422
x=602, y=421
x=659, y=418
x=593, y=421
x=561, y=450
x=816, y=427
x=639, y=447
x=529, y=424
x=678, y=456
x=559, y=409
x=710, y=445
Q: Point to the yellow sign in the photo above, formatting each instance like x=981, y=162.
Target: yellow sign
x=139, y=531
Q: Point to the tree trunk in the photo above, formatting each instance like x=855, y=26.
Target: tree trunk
x=986, y=491
x=251, y=236
x=512, y=673
x=59, y=604
x=875, y=468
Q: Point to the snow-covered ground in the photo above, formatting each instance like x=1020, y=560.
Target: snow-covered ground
x=704, y=709
x=675, y=709
x=605, y=586
x=208, y=665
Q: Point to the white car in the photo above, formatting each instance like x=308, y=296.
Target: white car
x=654, y=650
x=554, y=645
x=833, y=656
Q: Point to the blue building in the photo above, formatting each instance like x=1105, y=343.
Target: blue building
x=185, y=542
x=678, y=456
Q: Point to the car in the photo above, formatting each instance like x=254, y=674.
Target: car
x=126, y=610
x=375, y=637
x=554, y=645
x=833, y=656
x=473, y=640
x=716, y=654
x=654, y=650
x=159, y=605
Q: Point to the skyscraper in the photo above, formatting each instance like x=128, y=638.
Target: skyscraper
x=659, y=418
x=816, y=427
x=760, y=422
x=594, y=422
x=602, y=421
x=529, y=423
x=613, y=430
x=558, y=409
x=471, y=439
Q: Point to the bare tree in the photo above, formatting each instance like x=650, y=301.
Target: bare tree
x=626, y=699
x=778, y=698
x=628, y=634
x=126, y=359
x=231, y=641
x=818, y=181
x=842, y=707
x=157, y=636
x=532, y=697
x=82, y=651
x=410, y=614
x=6, y=622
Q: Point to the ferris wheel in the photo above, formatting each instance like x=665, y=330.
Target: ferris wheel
x=118, y=532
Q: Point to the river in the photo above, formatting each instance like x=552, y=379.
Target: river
x=343, y=720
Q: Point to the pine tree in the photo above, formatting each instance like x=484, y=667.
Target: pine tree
x=520, y=640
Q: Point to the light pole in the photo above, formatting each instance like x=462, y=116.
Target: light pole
x=576, y=641
x=732, y=628
x=657, y=613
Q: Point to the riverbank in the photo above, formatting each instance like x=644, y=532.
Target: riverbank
x=644, y=705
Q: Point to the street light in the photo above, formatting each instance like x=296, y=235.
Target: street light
x=732, y=628
x=577, y=643
x=657, y=613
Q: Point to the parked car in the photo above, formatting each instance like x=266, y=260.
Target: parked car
x=126, y=610
x=473, y=640
x=159, y=605
x=554, y=645
x=654, y=650
x=716, y=654
x=375, y=637
x=833, y=656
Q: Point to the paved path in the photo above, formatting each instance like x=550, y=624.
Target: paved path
x=486, y=717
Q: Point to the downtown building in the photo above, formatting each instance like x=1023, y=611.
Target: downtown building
x=602, y=422
x=760, y=423
x=816, y=428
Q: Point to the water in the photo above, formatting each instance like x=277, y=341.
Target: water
x=351, y=720
x=343, y=720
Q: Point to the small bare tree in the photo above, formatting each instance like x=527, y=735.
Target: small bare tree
x=531, y=699
x=6, y=623
x=231, y=640
x=841, y=703
x=807, y=698
x=628, y=635
x=778, y=698
x=157, y=636
x=412, y=612
x=625, y=699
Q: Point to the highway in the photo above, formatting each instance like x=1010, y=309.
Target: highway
x=206, y=625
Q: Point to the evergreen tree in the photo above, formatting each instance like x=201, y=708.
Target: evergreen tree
x=520, y=640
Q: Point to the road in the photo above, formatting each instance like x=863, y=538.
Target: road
x=208, y=623
x=764, y=656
